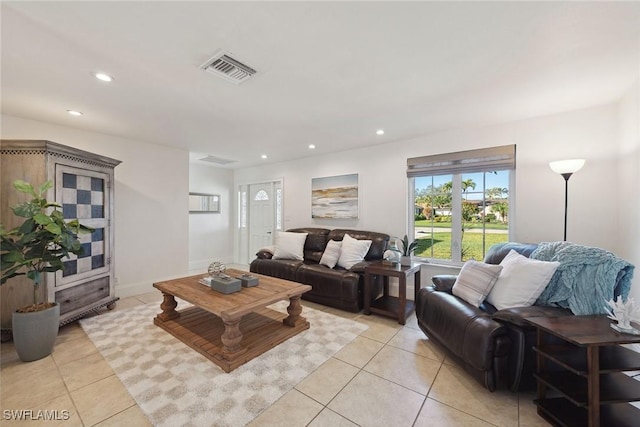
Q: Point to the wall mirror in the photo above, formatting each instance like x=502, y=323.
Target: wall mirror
x=204, y=203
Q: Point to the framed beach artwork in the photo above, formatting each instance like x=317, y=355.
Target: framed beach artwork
x=335, y=197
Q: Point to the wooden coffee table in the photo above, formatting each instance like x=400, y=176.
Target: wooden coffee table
x=231, y=329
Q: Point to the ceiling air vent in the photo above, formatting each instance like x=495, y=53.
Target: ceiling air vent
x=217, y=160
x=228, y=68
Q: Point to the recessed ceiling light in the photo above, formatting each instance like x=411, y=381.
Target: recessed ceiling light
x=380, y=132
x=264, y=156
x=102, y=76
x=74, y=112
x=311, y=146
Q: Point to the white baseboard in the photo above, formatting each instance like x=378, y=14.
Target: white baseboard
x=133, y=289
x=203, y=264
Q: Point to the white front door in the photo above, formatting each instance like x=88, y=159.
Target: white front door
x=261, y=223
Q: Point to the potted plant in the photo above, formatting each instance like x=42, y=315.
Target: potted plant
x=35, y=247
x=405, y=248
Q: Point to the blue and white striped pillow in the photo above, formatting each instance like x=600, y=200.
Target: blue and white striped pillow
x=475, y=281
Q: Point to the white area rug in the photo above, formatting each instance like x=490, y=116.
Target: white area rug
x=176, y=386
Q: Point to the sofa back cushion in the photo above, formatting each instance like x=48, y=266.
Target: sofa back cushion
x=379, y=241
x=497, y=252
x=315, y=244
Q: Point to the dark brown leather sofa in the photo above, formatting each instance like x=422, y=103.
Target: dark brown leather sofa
x=494, y=347
x=335, y=287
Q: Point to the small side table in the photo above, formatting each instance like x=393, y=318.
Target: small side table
x=387, y=305
x=587, y=386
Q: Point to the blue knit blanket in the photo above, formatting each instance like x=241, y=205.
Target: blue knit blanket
x=586, y=278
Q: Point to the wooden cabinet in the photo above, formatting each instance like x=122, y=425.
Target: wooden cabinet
x=581, y=379
x=84, y=187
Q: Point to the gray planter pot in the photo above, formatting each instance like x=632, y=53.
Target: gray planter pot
x=34, y=334
x=405, y=260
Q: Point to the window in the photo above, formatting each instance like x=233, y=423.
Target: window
x=242, y=208
x=261, y=196
x=460, y=202
x=278, y=208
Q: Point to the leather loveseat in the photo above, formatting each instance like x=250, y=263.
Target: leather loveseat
x=334, y=287
x=493, y=346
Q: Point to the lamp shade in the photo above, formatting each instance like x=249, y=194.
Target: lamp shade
x=566, y=166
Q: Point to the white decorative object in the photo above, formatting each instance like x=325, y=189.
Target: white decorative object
x=622, y=312
x=391, y=256
x=216, y=268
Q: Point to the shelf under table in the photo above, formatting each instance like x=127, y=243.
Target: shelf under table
x=561, y=412
x=388, y=305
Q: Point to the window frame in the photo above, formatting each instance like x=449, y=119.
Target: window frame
x=457, y=168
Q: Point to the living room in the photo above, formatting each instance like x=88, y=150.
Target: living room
x=156, y=238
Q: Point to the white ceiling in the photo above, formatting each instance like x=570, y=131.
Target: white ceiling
x=329, y=73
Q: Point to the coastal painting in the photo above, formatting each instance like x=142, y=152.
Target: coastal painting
x=335, y=197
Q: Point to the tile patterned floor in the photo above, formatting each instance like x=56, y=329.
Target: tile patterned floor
x=390, y=375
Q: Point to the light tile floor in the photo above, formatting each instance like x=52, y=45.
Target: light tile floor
x=391, y=375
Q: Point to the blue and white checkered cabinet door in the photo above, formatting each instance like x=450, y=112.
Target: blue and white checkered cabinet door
x=83, y=197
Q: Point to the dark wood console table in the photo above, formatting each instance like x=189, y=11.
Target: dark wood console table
x=580, y=376
x=387, y=305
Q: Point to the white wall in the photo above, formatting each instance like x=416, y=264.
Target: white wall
x=539, y=198
x=538, y=210
x=211, y=234
x=628, y=180
x=151, y=201
x=151, y=205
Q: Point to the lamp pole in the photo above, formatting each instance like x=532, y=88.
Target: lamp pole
x=566, y=177
x=566, y=168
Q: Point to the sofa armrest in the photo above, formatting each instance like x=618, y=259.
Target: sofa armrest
x=484, y=340
x=444, y=282
x=359, y=267
x=263, y=254
x=518, y=315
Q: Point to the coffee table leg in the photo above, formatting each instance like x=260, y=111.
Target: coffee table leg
x=231, y=339
x=294, y=310
x=168, y=307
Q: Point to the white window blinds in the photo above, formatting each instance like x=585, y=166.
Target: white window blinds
x=484, y=159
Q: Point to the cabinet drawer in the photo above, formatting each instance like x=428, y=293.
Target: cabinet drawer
x=82, y=295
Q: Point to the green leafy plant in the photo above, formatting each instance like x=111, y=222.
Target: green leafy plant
x=42, y=241
x=405, y=247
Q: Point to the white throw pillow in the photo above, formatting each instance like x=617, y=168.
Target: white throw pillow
x=475, y=281
x=352, y=251
x=521, y=281
x=331, y=254
x=289, y=245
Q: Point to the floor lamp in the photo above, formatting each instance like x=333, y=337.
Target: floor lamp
x=566, y=168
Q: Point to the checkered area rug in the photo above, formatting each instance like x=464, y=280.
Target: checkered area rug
x=176, y=386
